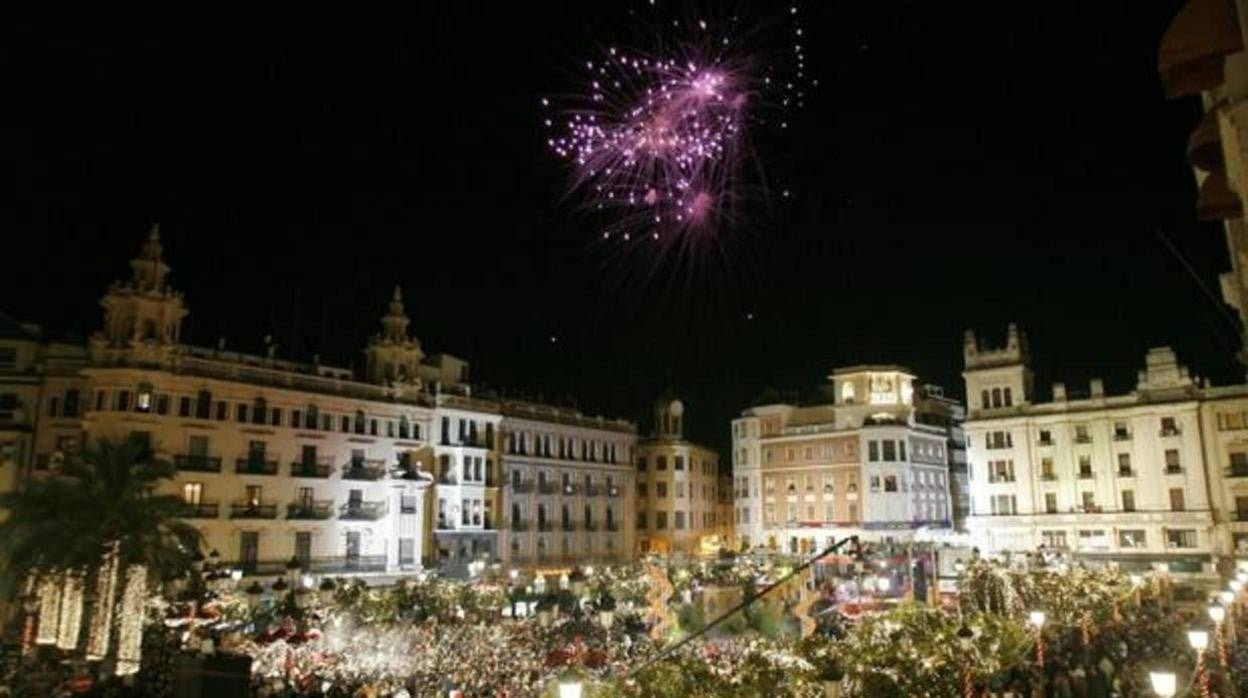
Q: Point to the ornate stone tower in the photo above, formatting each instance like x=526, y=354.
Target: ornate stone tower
x=669, y=414
x=392, y=357
x=997, y=377
x=142, y=315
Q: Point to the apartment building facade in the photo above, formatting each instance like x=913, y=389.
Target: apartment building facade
x=1119, y=478
x=872, y=461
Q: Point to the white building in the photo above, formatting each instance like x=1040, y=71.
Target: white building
x=873, y=462
x=1104, y=477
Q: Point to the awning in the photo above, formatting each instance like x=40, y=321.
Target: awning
x=1195, y=45
x=1204, y=146
x=1217, y=201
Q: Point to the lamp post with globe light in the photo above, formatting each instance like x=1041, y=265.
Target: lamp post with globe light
x=1165, y=683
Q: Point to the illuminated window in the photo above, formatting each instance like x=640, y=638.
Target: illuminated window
x=847, y=392
x=192, y=492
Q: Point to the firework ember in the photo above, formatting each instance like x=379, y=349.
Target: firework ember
x=660, y=141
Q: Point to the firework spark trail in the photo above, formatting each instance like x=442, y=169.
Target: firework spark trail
x=660, y=140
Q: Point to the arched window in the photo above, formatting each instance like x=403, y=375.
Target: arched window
x=847, y=392
x=404, y=427
x=996, y=397
x=983, y=400
x=1009, y=399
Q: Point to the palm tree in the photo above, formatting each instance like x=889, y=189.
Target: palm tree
x=106, y=495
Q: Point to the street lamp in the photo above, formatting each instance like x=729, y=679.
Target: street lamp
x=1165, y=683
x=254, y=592
x=570, y=686
x=1199, y=640
x=1226, y=597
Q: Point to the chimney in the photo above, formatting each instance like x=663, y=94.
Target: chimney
x=1097, y=388
x=1059, y=392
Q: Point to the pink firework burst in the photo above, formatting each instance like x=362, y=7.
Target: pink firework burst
x=659, y=141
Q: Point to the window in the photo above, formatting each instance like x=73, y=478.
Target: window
x=221, y=411
x=890, y=450
x=1180, y=538
x=252, y=495
x=123, y=400
x=1177, y=502
x=1121, y=433
x=1004, y=505
x=1085, y=466
x=660, y=520
x=890, y=483
x=8, y=357
x=1128, y=500
x=641, y=464
x=1053, y=539
x=641, y=519
x=1168, y=426
x=1172, y=461
x=641, y=490
x=1050, y=502
x=660, y=463
x=996, y=397
x=660, y=490
x=1093, y=540
x=303, y=546
x=873, y=451
x=1124, y=464
x=1046, y=469
x=1081, y=434
x=680, y=489
x=143, y=400
x=1046, y=437
x=1131, y=538
x=875, y=483
x=680, y=520
x=1088, y=499
x=192, y=493
x=678, y=463
x=1239, y=464
x=70, y=406
x=407, y=551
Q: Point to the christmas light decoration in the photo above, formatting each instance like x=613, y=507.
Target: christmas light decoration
x=101, y=627
x=49, y=611
x=70, y=623
x=130, y=632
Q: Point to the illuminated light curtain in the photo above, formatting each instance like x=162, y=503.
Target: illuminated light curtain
x=70, y=625
x=102, y=616
x=130, y=631
x=49, y=610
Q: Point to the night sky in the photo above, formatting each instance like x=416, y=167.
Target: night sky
x=959, y=165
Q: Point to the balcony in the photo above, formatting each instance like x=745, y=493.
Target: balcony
x=613, y=526
x=522, y=487
x=520, y=526
x=319, y=468
x=362, y=469
x=1237, y=471
x=568, y=526
x=1085, y=475
x=362, y=511
x=310, y=511
x=255, y=466
x=203, y=510
x=253, y=510
x=1122, y=436
x=547, y=488
x=1044, y=441
x=1048, y=477
x=591, y=526
x=197, y=464
x=994, y=479
x=1174, y=470
x=1174, y=431
x=1083, y=439
x=448, y=478
x=545, y=526
x=1126, y=472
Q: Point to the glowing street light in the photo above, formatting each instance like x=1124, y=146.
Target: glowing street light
x=1036, y=620
x=1165, y=683
x=570, y=686
x=1217, y=614
x=1198, y=639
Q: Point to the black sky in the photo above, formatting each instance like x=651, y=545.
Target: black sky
x=961, y=165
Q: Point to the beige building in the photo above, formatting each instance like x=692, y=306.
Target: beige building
x=275, y=459
x=569, y=484
x=678, y=500
x=872, y=461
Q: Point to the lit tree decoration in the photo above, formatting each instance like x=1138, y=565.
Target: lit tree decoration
x=101, y=626
x=660, y=592
x=70, y=624
x=49, y=611
x=806, y=600
x=130, y=632
x=661, y=139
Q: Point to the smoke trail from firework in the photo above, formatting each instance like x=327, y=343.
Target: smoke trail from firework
x=660, y=141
